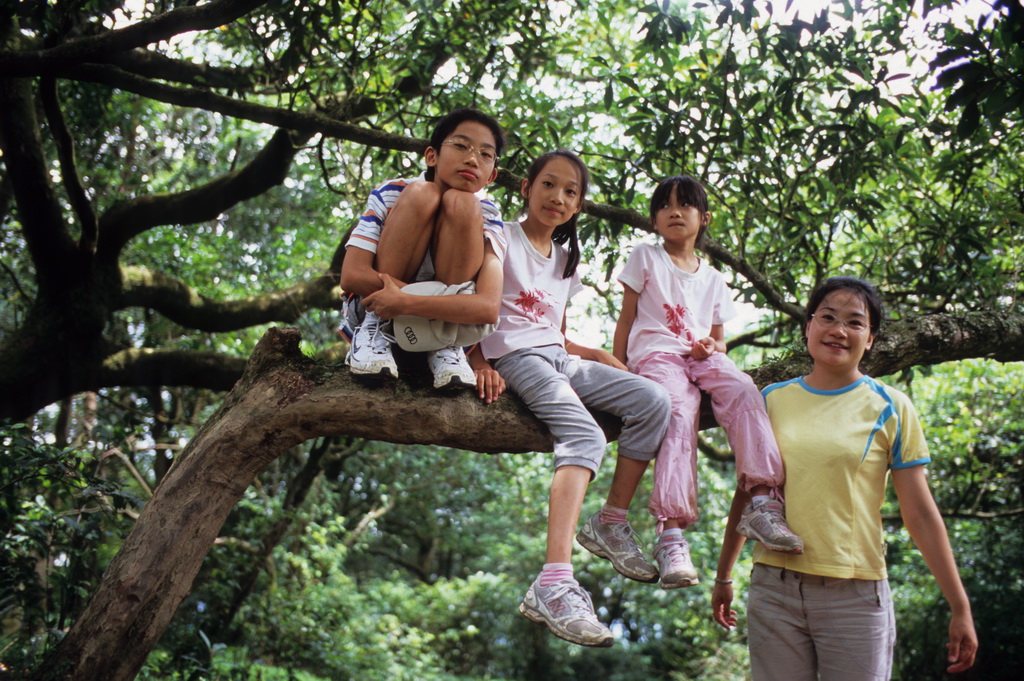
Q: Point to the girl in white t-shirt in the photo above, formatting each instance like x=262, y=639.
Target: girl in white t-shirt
x=558, y=380
x=670, y=330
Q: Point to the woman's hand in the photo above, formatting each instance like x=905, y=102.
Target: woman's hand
x=963, y=643
x=721, y=603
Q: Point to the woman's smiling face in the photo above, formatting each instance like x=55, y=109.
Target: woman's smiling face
x=839, y=347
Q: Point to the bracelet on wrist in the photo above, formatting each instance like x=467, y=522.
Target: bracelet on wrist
x=722, y=581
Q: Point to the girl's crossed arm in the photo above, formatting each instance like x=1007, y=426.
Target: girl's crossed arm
x=706, y=347
x=627, y=315
x=593, y=354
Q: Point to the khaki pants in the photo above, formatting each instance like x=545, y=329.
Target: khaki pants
x=808, y=628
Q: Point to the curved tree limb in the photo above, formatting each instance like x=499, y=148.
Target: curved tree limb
x=130, y=218
x=198, y=98
x=146, y=366
x=282, y=400
x=933, y=339
x=80, y=202
x=27, y=170
x=183, y=305
x=154, y=29
x=150, y=64
x=923, y=341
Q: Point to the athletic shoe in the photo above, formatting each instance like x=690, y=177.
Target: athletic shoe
x=369, y=353
x=617, y=542
x=566, y=609
x=450, y=368
x=766, y=522
x=674, y=563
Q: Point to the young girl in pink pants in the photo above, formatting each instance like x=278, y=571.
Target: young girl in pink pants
x=670, y=330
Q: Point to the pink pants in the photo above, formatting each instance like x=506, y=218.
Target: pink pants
x=738, y=408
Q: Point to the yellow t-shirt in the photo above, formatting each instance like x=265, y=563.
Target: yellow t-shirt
x=838, y=447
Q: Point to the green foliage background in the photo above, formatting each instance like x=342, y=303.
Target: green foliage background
x=826, y=151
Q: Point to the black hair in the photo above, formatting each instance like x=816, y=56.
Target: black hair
x=687, y=191
x=565, y=232
x=866, y=292
x=446, y=126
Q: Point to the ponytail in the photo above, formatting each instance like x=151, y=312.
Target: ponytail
x=566, y=232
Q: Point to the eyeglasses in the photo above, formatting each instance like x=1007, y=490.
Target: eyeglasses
x=485, y=155
x=830, y=321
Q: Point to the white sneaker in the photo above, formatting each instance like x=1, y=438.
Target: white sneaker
x=674, y=563
x=566, y=609
x=766, y=522
x=450, y=368
x=369, y=353
x=617, y=542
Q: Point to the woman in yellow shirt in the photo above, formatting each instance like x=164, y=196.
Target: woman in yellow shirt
x=827, y=614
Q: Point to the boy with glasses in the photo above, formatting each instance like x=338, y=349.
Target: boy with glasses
x=431, y=228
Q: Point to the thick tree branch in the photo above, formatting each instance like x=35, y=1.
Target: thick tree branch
x=49, y=243
x=130, y=218
x=149, y=64
x=310, y=123
x=923, y=341
x=181, y=304
x=68, y=166
x=933, y=339
x=282, y=400
x=154, y=29
x=146, y=366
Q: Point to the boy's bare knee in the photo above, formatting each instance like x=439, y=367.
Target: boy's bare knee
x=423, y=197
x=461, y=208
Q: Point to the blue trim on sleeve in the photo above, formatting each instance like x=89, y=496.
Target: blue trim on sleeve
x=915, y=462
x=888, y=412
x=775, y=386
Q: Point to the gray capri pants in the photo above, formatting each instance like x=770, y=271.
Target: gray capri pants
x=558, y=388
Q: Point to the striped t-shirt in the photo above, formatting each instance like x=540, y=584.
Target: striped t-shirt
x=366, y=235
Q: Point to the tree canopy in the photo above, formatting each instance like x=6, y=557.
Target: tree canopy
x=177, y=177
